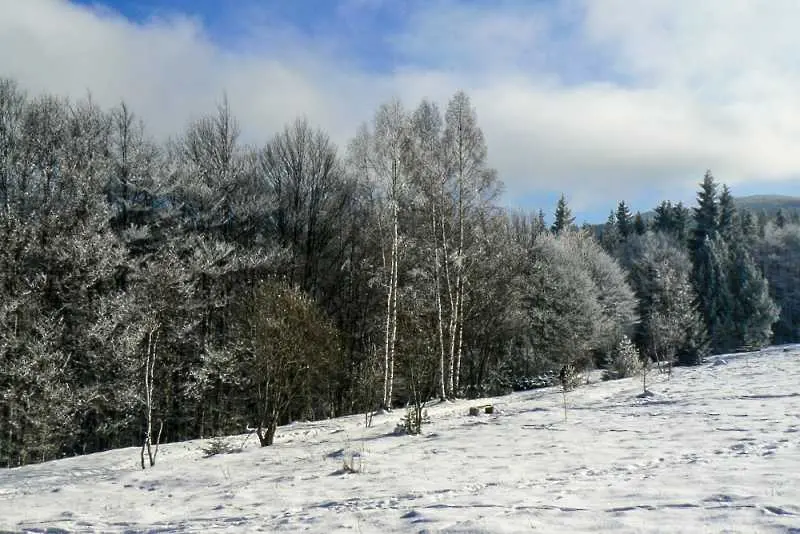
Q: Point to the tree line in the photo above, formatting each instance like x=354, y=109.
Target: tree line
x=201, y=286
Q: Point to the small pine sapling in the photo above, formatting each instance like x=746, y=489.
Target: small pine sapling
x=568, y=378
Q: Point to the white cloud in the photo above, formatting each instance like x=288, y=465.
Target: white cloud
x=686, y=86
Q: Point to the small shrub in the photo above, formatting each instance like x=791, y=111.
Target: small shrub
x=625, y=361
x=412, y=423
x=219, y=445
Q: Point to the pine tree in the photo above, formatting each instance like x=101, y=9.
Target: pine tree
x=672, y=219
x=681, y=217
x=639, y=226
x=610, y=237
x=706, y=214
x=754, y=312
x=709, y=259
x=663, y=220
x=624, y=220
x=727, y=213
x=563, y=216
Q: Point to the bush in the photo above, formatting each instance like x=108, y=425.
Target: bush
x=625, y=361
x=412, y=423
x=219, y=445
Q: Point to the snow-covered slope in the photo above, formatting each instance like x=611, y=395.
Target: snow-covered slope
x=716, y=449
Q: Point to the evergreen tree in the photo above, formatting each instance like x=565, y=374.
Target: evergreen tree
x=780, y=219
x=624, y=220
x=563, y=217
x=663, y=220
x=681, y=217
x=754, y=312
x=610, y=237
x=540, y=225
x=779, y=254
x=709, y=256
x=672, y=219
x=727, y=213
x=639, y=226
x=706, y=214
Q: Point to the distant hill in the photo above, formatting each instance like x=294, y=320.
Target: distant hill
x=768, y=203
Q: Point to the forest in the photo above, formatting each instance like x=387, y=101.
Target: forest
x=198, y=287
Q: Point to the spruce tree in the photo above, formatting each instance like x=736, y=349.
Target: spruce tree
x=663, y=220
x=681, y=220
x=563, y=216
x=639, y=226
x=727, y=213
x=706, y=214
x=624, y=219
x=610, y=238
x=754, y=311
x=708, y=256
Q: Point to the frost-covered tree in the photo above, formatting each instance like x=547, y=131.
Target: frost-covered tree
x=672, y=328
x=378, y=154
x=614, y=295
x=429, y=171
x=562, y=219
x=562, y=305
x=473, y=186
x=779, y=254
x=624, y=361
x=309, y=192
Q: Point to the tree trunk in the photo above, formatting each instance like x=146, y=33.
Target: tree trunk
x=149, y=371
x=385, y=401
x=266, y=437
x=392, y=343
x=459, y=321
x=439, y=320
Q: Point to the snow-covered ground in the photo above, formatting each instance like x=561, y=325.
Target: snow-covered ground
x=715, y=449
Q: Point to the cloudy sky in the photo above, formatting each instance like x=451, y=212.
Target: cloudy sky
x=600, y=99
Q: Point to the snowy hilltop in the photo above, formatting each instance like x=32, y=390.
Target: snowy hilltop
x=714, y=448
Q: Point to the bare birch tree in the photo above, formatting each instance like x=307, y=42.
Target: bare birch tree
x=472, y=185
x=378, y=152
x=429, y=173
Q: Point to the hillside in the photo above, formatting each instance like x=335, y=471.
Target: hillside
x=716, y=448
x=768, y=203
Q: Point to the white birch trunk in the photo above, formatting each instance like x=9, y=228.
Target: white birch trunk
x=439, y=319
x=393, y=340
x=459, y=320
x=388, y=337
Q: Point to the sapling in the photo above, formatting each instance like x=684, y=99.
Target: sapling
x=645, y=369
x=149, y=371
x=563, y=377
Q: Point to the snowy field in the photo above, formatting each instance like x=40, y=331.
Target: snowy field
x=715, y=449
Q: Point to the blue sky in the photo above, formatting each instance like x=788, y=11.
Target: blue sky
x=602, y=100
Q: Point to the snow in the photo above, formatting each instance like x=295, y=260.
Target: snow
x=716, y=448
